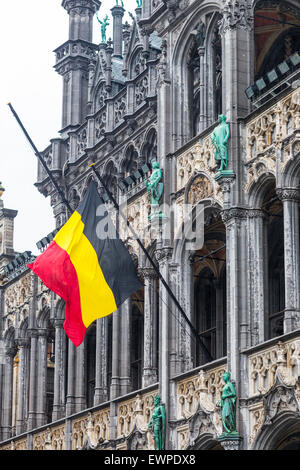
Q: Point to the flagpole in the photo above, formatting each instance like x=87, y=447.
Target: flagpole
x=144, y=249
x=64, y=200
x=39, y=156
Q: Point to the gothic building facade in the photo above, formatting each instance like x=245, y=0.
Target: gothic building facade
x=154, y=92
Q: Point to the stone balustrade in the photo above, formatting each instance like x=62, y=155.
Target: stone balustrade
x=282, y=358
x=135, y=412
x=206, y=385
x=276, y=128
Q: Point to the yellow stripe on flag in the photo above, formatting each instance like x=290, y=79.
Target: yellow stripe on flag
x=96, y=297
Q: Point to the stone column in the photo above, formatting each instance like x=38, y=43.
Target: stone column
x=235, y=220
x=202, y=86
x=163, y=256
x=32, y=380
x=115, y=373
x=236, y=28
x=22, y=385
x=7, y=393
x=80, y=395
x=125, y=356
x=258, y=277
x=150, y=327
x=101, y=389
x=117, y=13
x=290, y=198
x=42, y=343
x=70, y=404
x=59, y=371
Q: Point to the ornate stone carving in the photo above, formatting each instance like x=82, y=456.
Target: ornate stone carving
x=199, y=158
x=288, y=194
x=201, y=188
x=275, y=129
x=205, y=388
x=120, y=107
x=134, y=414
x=282, y=361
x=236, y=14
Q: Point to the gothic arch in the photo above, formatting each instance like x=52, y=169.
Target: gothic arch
x=206, y=441
x=291, y=174
x=22, y=330
x=9, y=337
x=181, y=86
x=210, y=207
x=259, y=188
x=60, y=309
x=86, y=184
x=136, y=62
x=43, y=317
x=149, y=147
x=129, y=161
x=270, y=437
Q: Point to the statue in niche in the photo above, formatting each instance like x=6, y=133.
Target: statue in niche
x=103, y=24
x=219, y=137
x=228, y=405
x=158, y=423
x=155, y=189
x=201, y=33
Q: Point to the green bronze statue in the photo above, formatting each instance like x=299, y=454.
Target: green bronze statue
x=139, y=3
x=158, y=424
x=103, y=24
x=122, y=3
x=155, y=189
x=228, y=405
x=219, y=139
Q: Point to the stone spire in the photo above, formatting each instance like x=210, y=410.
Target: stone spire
x=81, y=13
x=73, y=60
x=6, y=232
x=117, y=13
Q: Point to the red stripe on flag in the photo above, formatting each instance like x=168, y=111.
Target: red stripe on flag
x=57, y=272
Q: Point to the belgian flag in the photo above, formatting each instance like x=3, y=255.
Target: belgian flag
x=91, y=270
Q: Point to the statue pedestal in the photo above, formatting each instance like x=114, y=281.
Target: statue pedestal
x=230, y=441
x=224, y=174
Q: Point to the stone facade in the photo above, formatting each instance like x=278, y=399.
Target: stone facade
x=155, y=93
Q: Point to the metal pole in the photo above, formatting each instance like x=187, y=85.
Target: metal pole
x=202, y=345
x=39, y=156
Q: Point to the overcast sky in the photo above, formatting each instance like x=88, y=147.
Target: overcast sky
x=29, y=32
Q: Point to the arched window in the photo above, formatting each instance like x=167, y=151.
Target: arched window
x=129, y=164
x=276, y=284
x=217, y=72
x=210, y=291
x=50, y=373
x=90, y=351
x=109, y=353
x=110, y=177
x=149, y=151
x=194, y=86
x=137, y=335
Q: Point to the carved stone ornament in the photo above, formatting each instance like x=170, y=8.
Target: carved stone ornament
x=200, y=423
x=279, y=399
x=201, y=188
x=236, y=14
